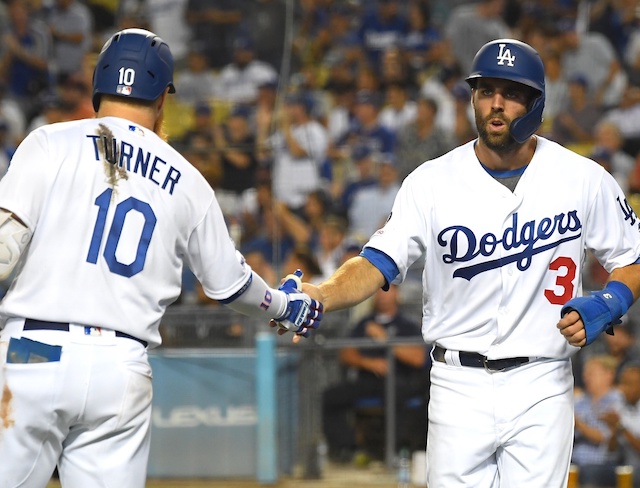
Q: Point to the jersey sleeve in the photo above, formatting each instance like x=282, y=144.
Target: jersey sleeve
x=25, y=187
x=403, y=237
x=613, y=233
x=213, y=258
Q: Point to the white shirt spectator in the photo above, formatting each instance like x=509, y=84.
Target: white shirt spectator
x=294, y=178
x=240, y=85
x=394, y=119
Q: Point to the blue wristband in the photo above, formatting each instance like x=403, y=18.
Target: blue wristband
x=601, y=309
x=622, y=293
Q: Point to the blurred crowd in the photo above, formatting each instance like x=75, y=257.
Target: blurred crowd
x=306, y=115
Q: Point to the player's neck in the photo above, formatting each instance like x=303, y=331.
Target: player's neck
x=515, y=158
x=142, y=118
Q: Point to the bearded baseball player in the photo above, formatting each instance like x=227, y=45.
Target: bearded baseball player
x=503, y=224
x=101, y=215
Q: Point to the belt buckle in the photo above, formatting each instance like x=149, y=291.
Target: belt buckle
x=489, y=369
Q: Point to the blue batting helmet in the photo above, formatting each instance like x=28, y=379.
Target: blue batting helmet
x=134, y=63
x=513, y=60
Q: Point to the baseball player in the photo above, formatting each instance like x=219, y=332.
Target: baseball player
x=101, y=215
x=503, y=224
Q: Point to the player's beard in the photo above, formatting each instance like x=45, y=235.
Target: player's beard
x=499, y=143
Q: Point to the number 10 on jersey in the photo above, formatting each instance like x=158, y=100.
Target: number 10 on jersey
x=123, y=209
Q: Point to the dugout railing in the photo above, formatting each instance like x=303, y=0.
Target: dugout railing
x=216, y=327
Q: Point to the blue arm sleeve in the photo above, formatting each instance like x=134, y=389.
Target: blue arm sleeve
x=384, y=263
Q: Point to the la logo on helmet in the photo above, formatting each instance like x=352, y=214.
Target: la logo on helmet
x=505, y=55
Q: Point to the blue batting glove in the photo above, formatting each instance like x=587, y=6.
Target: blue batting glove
x=303, y=312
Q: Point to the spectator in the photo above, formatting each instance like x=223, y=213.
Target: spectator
x=622, y=346
x=6, y=148
x=303, y=227
x=214, y=25
x=332, y=244
x=470, y=26
x=197, y=81
x=591, y=55
x=239, y=80
x=300, y=147
x=71, y=27
x=202, y=127
x=634, y=178
x=13, y=114
x=340, y=115
x=423, y=45
x=266, y=20
x=615, y=20
x=556, y=89
x=73, y=95
x=422, y=140
x=574, y=125
x=394, y=70
x=372, y=205
x=198, y=144
x=50, y=113
x=383, y=26
x=235, y=143
x=626, y=424
x=627, y=117
x=608, y=142
x=24, y=62
x=263, y=119
x=464, y=128
x=366, y=373
x=591, y=446
x=367, y=129
x=304, y=259
x=632, y=59
x=168, y=20
x=400, y=110
x=440, y=87
x=365, y=165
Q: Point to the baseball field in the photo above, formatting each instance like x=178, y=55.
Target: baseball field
x=334, y=477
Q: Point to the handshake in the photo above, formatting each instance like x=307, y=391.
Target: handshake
x=302, y=313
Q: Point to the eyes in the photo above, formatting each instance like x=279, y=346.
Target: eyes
x=514, y=92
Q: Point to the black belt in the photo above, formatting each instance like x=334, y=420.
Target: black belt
x=32, y=324
x=475, y=360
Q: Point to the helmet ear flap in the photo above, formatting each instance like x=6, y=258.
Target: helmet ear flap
x=524, y=127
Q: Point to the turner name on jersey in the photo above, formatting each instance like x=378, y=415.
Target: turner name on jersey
x=134, y=159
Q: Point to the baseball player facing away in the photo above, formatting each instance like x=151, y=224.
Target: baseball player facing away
x=503, y=224
x=103, y=214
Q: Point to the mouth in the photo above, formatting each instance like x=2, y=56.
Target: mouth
x=496, y=125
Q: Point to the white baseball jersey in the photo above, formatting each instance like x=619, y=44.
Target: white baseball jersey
x=109, y=240
x=499, y=265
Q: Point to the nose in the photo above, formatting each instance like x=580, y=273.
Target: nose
x=497, y=102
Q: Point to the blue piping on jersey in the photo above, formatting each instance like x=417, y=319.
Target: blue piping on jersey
x=501, y=173
x=383, y=262
x=504, y=173
x=226, y=301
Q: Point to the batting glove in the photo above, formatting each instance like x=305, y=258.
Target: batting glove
x=303, y=312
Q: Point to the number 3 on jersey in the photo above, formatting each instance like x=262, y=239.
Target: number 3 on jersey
x=115, y=232
x=563, y=281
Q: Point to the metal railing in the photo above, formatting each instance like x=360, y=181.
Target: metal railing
x=197, y=326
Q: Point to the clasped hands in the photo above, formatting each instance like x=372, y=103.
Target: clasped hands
x=302, y=314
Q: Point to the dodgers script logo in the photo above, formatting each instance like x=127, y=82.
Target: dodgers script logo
x=463, y=245
x=505, y=55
